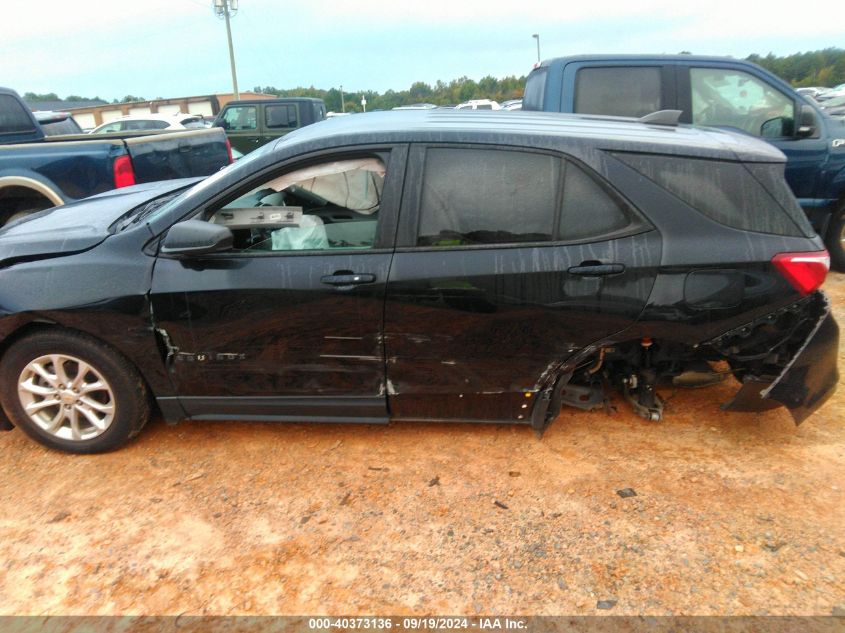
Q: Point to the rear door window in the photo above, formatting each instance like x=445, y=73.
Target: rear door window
x=279, y=116
x=487, y=196
x=618, y=91
x=475, y=196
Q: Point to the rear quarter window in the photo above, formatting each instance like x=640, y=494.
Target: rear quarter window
x=750, y=197
x=588, y=210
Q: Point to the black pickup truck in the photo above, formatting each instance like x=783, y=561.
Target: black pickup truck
x=38, y=171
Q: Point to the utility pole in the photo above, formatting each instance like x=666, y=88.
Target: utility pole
x=342, y=102
x=227, y=9
x=536, y=36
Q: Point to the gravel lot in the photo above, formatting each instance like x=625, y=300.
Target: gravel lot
x=733, y=514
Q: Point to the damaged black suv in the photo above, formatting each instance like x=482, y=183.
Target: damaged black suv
x=431, y=265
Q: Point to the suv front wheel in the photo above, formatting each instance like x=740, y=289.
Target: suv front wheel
x=71, y=392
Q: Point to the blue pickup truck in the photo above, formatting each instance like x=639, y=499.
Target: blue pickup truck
x=713, y=91
x=38, y=171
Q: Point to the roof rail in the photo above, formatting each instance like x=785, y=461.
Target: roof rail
x=662, y=117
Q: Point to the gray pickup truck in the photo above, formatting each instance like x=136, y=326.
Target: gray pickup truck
x=38, y=171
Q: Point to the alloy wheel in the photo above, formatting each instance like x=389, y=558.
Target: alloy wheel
x=66, y=397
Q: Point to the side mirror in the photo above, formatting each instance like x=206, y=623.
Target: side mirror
x=195, y=237
x=222, y=123
x=807, y=121
x=773, y=128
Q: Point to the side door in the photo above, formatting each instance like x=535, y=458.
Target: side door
x=288, y=324
x=732, y=98
x=241, y=125
x=508, y=262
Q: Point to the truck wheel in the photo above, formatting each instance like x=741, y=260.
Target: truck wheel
x=836, y=239
x=71, y=392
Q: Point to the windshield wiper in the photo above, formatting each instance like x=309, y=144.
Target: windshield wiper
x=139, y=213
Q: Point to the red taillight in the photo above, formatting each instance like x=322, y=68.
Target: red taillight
x=124, y=175
x=805, y=271
x=229, y=150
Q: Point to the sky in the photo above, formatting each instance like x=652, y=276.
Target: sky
x=173, y=48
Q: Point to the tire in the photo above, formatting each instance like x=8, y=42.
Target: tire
x=17, y=215
x=63, y=408
x=835, y=241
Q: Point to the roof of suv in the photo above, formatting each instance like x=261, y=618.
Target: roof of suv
x=540, y=129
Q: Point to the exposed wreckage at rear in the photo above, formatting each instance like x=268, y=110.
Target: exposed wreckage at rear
x=783, y=358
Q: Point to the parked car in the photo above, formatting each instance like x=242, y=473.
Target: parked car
x=251, y=123
x=417, y=106
x=478, y=104
x=713, y=91
x=831, y=93
x=56, y=123
x=146, y=122
x=834, y=107
x=530, y=266
x=38, y=171
x=811, y=91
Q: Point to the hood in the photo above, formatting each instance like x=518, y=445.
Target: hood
x=79, y=226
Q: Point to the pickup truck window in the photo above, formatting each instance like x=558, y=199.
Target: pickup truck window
x=276, y=116
x=240, y=118
x=618, y=91
x=13, y=118
x=732, y=98
x=481, y=196
x=535, y=89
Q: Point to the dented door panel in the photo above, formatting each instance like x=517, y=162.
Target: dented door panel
x=468, y=333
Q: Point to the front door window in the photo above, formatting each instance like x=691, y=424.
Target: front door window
x=732, y=98
x=329, y=206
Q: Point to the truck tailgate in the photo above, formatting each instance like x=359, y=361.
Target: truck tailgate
x=180, y=154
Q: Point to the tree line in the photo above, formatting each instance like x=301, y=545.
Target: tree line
x=824, y=67
x=441, y=93
x=815, y=68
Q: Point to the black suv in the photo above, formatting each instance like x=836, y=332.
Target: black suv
x=430, y=265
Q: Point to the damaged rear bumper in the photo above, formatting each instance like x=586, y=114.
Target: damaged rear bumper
x=808, y=379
